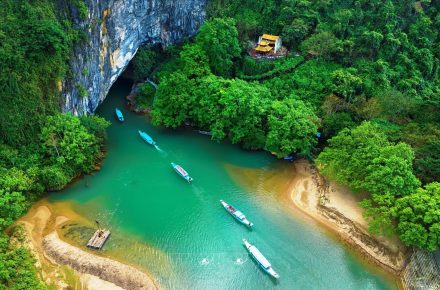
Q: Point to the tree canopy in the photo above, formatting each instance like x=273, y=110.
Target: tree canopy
x=418, y=217
x=219, y=38
x=292, y=128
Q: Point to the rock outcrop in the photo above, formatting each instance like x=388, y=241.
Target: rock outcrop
x=114, y=30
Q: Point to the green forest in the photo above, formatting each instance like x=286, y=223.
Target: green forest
x=41, y=149
x=362, y=74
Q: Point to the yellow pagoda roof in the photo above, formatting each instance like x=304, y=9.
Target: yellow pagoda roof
x=270, y=37
x=264, y=42
x=263, y=48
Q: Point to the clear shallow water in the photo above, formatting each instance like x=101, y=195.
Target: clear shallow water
x=181, y=234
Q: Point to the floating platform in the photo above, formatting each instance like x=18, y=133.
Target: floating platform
x=98, y=239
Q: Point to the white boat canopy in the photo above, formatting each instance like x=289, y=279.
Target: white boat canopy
x=239, y=214
x=257, y=254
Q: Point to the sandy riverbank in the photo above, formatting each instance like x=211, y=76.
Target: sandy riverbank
x=307, y=195
x=67, y=267
x=336, y=208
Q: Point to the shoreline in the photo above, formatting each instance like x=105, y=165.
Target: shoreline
x=335, y=208
x=106, y=269
x=67, y=266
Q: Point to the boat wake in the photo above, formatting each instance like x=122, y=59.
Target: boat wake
x=160, y=150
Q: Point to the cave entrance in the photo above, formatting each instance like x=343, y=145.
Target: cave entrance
x=136, y=85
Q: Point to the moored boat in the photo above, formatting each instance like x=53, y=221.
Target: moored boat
x=238, y=215
x=119, y=115
x=182, y=172
x=147, y=138
x=261, y=260
x=204, y=132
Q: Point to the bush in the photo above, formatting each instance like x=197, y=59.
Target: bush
x=53, y=178
x=336, y=122
x=144, y=62
x=145, y=96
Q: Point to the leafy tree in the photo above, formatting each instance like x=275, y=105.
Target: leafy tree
x=95, y=125
x=419, y=218
x=336, y=122
x=145, y=96
x=346, y=84
x=34, y=53
x=365, y=108
x=365, y=160
x=391, y=171
x=396, y=106
x=12, y=206
x=323, y=44
x=174, y=100
x=68, y=144
x=17, y=270
x=296, y=31
x=236, y=109
x=350, y=152
x=194, y=61
x=311, y=82
x=427, y=162
x=144, y=62
x=53, y=178
x=219, y=38
x=292, y=128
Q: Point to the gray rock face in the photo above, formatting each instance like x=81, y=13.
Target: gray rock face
x=114, y=31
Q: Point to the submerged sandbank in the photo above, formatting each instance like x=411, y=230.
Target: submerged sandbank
x=66, y=266
x=109, y=270
x=337, y=208
x=306, y=193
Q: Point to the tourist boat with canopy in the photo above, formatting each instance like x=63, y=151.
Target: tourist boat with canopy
x=119, y=115
x=146, y=138
x=238, y=215
x=182, y=172
x=261, y=260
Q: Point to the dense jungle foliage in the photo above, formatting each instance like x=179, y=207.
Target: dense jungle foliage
x=40, y=148
x=364, y=74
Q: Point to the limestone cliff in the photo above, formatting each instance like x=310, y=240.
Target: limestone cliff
x=114, y=30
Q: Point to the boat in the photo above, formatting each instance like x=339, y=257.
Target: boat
x=182, y=172
x=147, y=138
x=204, y=132
x=261, y=260
x=238, y=215
x=119, y=115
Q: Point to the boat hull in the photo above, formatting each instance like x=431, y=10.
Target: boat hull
x=119, y=115
x=146, y=138
x=265, y=265
x=243, y=221
x=182, y=172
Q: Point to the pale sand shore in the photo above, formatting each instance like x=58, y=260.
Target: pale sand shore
x=336, y=208
x=91, y=271
x=109, y=270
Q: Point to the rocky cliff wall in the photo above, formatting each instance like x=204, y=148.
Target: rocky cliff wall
x=114, y=30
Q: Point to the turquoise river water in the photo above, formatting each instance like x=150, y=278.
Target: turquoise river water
x=179, y=232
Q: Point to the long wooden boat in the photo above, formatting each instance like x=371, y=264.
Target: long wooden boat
x=182, y=172
x=119, y=115
x=260, y=259
x=238, y=215
x=146, y=138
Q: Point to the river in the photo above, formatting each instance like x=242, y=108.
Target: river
x=179, y=232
